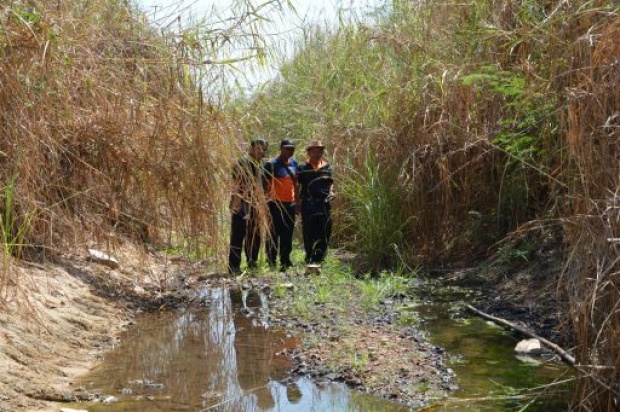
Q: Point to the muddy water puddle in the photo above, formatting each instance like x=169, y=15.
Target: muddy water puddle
x=221, y=358
x=226, y=357
x=490, y=376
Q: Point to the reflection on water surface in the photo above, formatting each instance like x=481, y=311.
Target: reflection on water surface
x=223, y=358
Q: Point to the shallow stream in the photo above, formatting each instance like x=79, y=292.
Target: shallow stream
x=226, y=358
x=490, y=375
x=221, y=358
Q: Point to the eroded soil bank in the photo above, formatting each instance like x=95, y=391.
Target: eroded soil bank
x=59, y=318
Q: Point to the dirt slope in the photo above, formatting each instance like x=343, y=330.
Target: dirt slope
x=61, y=317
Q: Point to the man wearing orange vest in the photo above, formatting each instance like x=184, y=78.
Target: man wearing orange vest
x=280, y=174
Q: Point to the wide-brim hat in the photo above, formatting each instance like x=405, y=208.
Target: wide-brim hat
x=315, y=144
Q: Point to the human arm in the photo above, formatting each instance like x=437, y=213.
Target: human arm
x=235, y=189
x=299, y=181
x=331, y=194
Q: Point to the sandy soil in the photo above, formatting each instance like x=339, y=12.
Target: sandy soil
x=59, y=318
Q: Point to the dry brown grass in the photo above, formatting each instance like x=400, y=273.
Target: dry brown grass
x=591, y=272
x=442, y=152
x=104, y=132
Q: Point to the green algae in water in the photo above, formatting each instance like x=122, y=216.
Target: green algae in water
x=490, y=376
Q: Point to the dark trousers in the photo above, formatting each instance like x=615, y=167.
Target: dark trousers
x=317, y=227
x=247, y=229
x=281, y=233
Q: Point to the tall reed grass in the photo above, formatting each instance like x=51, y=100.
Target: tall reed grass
x=487, y=118
x=592, y=136
x=111, y=125
x=371, y=214
x=450, y=125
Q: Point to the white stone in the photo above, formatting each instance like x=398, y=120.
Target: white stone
x=110, y=399
x=103, y=258
x=527, y=359
x=528, y=346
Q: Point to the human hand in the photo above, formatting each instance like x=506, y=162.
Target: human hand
x=235, y=205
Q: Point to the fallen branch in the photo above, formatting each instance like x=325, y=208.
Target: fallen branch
x=452, y=401
x=567, y=357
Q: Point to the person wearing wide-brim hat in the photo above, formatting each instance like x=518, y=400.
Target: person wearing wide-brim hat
x=316, y=184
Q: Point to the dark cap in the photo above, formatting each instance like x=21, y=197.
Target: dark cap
x=287, y=143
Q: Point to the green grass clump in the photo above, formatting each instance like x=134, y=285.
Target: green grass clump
x=372, y=215
x=338, y=290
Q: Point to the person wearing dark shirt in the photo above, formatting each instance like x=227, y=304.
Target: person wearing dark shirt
x=316, y=181
x=244, y=204
x=280, y=177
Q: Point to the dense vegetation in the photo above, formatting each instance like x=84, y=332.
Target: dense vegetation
x=107, y=128
x=456, y=125
x=452, y=125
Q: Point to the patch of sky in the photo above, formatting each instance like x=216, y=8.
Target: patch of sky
x=245, y=41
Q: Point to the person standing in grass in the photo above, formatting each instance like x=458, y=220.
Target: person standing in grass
x=280, y=177
x=316, y=191
x=244, y=207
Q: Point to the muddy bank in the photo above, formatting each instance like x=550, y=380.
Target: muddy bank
x=59, y=318
x=80, y=307
x=372, y=349
x=526, y=292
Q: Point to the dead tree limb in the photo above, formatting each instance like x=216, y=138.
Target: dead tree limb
x=567, y=357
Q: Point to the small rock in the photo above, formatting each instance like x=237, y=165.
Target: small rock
x=529, y=346
x=528, y=360
x=139, y=290
x=103, y=258
x=211, y=394
x=154, y=385
x=83, y=396
x=332, y=376
x=110, y=400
